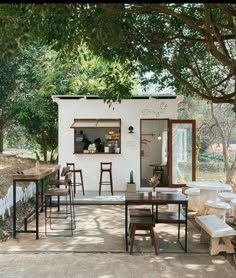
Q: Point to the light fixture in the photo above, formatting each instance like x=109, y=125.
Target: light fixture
x=159, y=136
x=131, y=129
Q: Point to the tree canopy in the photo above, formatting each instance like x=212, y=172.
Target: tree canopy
x=189, y=47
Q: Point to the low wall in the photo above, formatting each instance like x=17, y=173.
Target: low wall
x=21, y=195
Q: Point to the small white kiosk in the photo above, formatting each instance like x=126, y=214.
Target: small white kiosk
x=131, y=134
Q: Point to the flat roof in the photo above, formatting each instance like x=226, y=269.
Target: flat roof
x=97, y=97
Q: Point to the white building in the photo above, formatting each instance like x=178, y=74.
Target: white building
x=84, y=118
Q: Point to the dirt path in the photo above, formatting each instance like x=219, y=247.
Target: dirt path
x=9, y=165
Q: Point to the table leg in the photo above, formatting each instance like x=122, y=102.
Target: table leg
x=42, y=193
x=14, y=209
x=126, y=227
x=37, y=210
x=74, y=179
x=186, y=227
x=178, y=222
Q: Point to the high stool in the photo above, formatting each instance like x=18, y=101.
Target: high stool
x=67, y=193
x=142, y=223
x=106, y=167
x=74, y=171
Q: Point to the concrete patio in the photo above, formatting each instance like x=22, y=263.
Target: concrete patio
x=97, y=249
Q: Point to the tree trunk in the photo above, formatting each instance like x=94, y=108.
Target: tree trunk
x=44, y=144
x=1, y=135
x=1, y=140
x=229, y=170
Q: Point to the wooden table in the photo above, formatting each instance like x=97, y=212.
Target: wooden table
x=37, y=175
x=208, y=191
x=161, y=198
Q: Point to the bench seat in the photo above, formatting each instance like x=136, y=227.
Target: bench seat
x=218, y=231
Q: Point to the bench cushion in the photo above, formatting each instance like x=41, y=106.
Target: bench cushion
x=214, y=226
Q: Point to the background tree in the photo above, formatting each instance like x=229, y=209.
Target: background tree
x=7, y=89
x=189, y=47
x=43, y=72
x=216, y=127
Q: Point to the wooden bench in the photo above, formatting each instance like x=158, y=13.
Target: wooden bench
x=219, y=232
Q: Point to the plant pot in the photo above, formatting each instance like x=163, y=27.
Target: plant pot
x=130, y=187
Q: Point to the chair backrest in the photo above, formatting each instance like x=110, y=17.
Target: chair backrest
x=68, y=177
x=64, y=171
x=71, y=165
x=106, y=165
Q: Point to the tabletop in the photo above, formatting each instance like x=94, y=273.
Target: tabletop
x=37, y=173
x=161, y=197
x=209, y=185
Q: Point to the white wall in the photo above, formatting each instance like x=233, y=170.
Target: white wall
x=130, y=112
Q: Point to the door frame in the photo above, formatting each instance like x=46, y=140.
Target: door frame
x=169, y=143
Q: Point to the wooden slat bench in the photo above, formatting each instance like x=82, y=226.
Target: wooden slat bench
x=219, y=232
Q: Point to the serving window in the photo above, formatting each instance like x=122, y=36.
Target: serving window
x=97, y=136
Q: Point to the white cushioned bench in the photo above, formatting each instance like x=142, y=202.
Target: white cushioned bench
x=218, y=230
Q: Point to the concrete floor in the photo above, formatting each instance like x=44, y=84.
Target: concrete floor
x=97, y=249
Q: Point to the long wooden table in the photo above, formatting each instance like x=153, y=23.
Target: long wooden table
x=36, y=175
x=161, y=198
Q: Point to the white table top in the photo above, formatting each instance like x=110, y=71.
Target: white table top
x=209, y=185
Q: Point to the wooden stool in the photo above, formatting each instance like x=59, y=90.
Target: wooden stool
x=74, y=171
x=106, y=167
x=142, y=223
x=137, y=212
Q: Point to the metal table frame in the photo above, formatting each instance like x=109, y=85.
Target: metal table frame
x=38, y=176
x=161, y=198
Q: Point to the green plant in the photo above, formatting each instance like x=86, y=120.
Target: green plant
x=131, y=177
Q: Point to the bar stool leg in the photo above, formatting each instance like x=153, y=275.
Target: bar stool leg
x=111, y=182
x=82, y=181
x=100, y=183
x=133, y=229
x=74, y=180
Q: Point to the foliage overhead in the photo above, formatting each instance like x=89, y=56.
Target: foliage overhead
x=188, y=46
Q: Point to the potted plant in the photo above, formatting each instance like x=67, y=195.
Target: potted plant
x=131, y=186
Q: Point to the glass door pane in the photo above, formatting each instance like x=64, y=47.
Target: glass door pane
x=181, y=152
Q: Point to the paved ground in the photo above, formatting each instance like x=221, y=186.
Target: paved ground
x=78, y=265
x=97, y=250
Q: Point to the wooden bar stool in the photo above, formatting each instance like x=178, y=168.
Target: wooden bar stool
x=142, y=223
x=106, y=167
x=75, y=171
x=137, y=212
x=68, y=213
